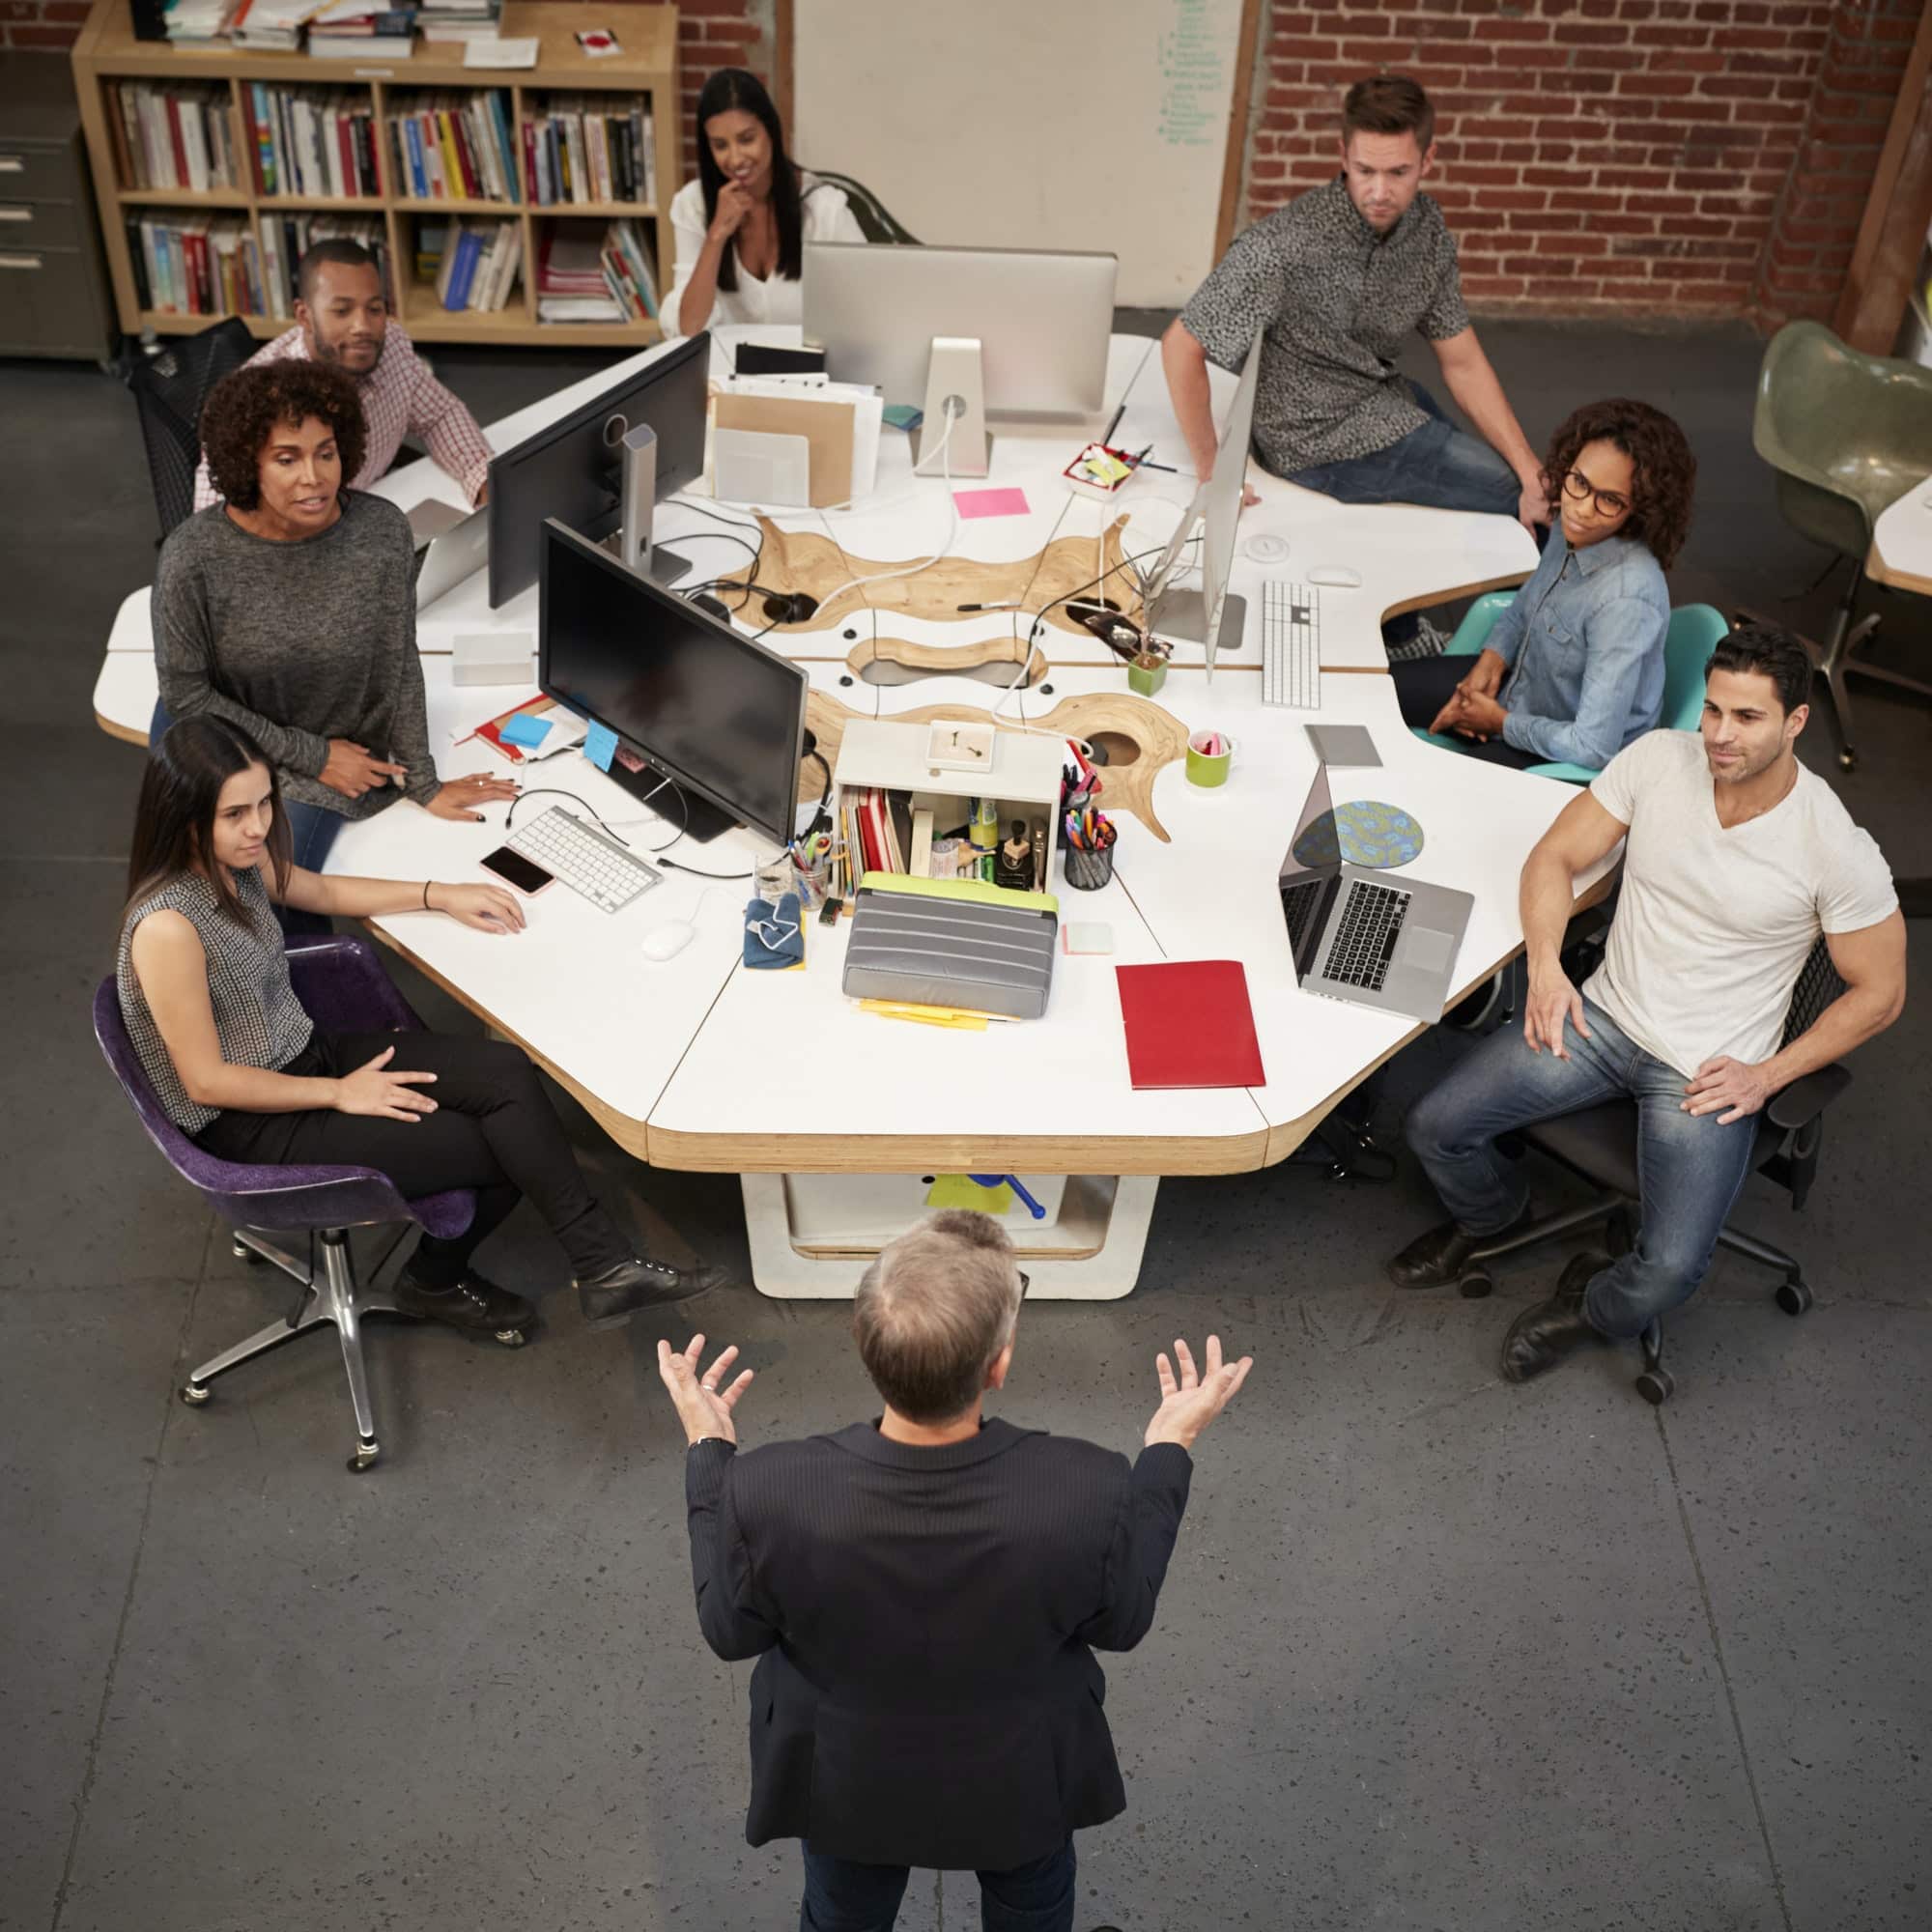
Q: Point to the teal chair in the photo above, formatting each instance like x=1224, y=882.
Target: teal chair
x=1695, y=630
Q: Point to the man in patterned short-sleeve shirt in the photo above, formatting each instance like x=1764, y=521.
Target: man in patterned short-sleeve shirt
x=1335, y=281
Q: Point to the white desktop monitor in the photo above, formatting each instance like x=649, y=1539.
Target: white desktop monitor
x=1209, y=617
x=1042, y=320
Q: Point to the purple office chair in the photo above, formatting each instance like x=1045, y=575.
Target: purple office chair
x=343, y=989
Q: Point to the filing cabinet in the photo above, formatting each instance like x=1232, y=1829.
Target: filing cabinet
x=54, y=297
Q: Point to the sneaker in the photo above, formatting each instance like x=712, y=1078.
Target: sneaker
x=476, y=1305
x=611, y=1298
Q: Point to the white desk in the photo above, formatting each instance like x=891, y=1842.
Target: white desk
x=833, y=1116
x=1901, y=551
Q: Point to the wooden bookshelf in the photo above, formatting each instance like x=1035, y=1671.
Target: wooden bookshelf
x=108, y=51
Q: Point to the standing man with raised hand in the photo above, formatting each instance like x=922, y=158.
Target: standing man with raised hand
x=924, y=1594
x=342, y=318
x=1336, y=280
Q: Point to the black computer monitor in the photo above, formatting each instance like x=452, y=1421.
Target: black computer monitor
x=691, y=699
x=572, y=468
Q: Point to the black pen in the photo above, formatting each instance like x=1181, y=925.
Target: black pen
x=1140, y=462
x=1012, y=605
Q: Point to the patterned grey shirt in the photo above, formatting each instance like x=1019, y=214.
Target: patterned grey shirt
x=1337, y=301
x=258, y=1021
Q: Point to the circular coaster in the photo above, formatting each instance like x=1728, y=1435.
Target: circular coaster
x=1364, y=832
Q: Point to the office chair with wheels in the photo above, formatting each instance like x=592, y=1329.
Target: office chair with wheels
x=1848, y=434
x=169, y=390
x=1599, y=1143
x=1695, y=629
x=875, y=219
x=343, y=989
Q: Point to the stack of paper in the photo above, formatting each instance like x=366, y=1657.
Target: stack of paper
x=200, y=23
x=867, y=409
x=571, y=285
x=458, y=19
x=343, y=28
x=271, y=26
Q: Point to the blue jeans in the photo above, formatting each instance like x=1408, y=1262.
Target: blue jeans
x=1434, y=464
x=842, y=1896
x=1689, y=1169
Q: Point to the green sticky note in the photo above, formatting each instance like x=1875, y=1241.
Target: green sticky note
x=961, y=1190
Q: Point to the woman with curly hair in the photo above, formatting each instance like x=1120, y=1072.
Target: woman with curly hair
x=289, y=610
x=1573, y=670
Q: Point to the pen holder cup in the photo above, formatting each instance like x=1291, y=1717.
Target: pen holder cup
x=1088, y=871
x=1145, y=676
x=1208, y=769
x=776, y=880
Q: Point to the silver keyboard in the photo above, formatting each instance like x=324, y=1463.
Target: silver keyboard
x=584, y=860
x=1291, y=645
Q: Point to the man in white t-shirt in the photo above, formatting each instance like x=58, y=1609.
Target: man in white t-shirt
x=1738, y=859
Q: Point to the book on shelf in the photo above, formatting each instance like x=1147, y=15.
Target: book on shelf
x=475, y=264
x=458, y=19
x=344, y=28
x=585, y=276
x=287, y=236
x=200, y=23
x=578, y=149
x=197, y=264
x=167, y=135
x=453, y=146
x=271, y=26
x=312, y=140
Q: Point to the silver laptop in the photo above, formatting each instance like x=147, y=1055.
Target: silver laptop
x=1371, y=938
x=459, y=551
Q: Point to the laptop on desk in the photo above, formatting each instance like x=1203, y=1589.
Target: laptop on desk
x=1373, y=939
x=456, y=549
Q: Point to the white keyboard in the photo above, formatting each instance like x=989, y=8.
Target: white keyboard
x=584, y=860
x=1291, y=645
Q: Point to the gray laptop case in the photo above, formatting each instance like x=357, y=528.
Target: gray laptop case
x=941, y=950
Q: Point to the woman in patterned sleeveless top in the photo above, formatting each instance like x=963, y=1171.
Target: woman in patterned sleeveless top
x=205, y=988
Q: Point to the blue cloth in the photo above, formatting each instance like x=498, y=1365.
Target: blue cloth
x=1436, y=465
x=1584, y=643
x=842, y=1896
x=1689, y=1169
x=774, y=935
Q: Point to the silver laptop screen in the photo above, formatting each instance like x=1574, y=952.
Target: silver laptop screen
x=1310, y=873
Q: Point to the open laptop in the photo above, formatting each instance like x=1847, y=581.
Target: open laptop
x=1364, y=936
x=460, y=548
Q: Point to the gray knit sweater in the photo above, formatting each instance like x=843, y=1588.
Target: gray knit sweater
x=299, y=643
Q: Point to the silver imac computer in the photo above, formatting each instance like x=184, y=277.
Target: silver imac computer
x=1209, y=617
x=964, y=333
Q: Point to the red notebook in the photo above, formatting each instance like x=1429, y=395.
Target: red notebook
x=1189, y=1024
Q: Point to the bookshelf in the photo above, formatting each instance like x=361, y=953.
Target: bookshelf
x=108, y=56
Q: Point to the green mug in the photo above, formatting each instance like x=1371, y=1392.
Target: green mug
x=1209, y=769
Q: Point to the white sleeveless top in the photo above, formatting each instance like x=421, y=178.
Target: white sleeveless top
x=827, y=217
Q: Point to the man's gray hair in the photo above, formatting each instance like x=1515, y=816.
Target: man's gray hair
x=934, y=1310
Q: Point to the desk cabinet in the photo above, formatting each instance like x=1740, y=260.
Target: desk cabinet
x=55, y=297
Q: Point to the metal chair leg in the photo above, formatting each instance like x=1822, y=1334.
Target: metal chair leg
x=196, y=1390
x=339, y=1274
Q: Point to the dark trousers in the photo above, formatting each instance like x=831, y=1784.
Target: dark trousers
x=842, y=1896
x=494, y=1129
x=1423, y=685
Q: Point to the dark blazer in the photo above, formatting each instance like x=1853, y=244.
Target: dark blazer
x=925, y=1622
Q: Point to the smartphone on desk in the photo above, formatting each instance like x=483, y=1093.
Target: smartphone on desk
x=514, y=870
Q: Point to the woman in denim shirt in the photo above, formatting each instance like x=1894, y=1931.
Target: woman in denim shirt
x=1573, y=670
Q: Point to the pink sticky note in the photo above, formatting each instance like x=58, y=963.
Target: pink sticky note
x=991, y=503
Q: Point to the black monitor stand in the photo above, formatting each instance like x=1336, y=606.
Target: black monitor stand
x=706, y=820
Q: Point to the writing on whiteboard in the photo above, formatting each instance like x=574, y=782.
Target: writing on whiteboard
x=1194, y=78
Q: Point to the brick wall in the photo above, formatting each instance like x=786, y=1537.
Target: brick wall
x=1642, y=158
x=42, y=23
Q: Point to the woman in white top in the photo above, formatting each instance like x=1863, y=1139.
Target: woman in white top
x=742, y=224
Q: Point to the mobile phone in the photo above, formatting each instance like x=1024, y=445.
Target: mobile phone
x=514, y=870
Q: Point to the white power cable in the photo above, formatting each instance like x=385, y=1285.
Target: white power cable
x=951, y=527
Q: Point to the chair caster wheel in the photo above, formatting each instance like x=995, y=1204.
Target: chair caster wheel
x=1656, y=1386
x=194, y=1394
x=1794, y=1296
x=242, y=1252
x=365, y=1457
x=1848, y=761
x=1619, y=1237
x=512, y=1338
x=1476, y=1284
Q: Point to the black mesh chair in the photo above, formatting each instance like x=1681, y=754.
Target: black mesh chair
x=872, y=216
x=1599, y=1143
x=169, y=390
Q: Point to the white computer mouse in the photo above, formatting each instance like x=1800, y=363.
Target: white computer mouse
x=1336, y=577
x=668, y=940
x=1265, y=547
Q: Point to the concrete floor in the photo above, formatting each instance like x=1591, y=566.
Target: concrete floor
x=1433, y=1651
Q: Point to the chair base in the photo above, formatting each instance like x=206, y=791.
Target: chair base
x=1838, y=659
x=329, y=1299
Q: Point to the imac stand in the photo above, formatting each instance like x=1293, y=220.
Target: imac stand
x=956, y=391
x=1183, y=616
x=637, y=486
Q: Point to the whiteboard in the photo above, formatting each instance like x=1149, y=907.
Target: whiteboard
x=1030, y=124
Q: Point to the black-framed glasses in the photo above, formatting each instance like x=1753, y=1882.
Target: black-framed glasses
x=1578, y=487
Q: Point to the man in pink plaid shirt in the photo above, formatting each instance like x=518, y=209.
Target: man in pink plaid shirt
x=341, y=317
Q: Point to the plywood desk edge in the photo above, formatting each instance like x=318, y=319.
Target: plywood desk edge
x=1510, y=580
x=1893, y=577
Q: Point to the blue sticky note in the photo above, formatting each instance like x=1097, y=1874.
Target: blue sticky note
x=902, y=415
x=525, y=729
x=600, y=745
